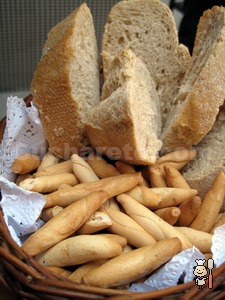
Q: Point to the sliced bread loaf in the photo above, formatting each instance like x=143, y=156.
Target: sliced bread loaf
x=202, y=92
x=200, y=173
x=66, y=83
x=148, y=28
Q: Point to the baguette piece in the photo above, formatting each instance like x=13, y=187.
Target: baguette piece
x=79, y=249
x=148, y=28
x=66, y=84
x=114, y=126
x=125, y=226
x=48, y=183
x=64, y=224
x=201, y=172
x=202, y=92
x=130, y=266
x=200, y=239
x=25, y=163
x=153, y=224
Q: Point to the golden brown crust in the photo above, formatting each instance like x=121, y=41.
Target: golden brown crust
x=204, y=86
x=52, y=94
x=127, y=267
x=55, y=86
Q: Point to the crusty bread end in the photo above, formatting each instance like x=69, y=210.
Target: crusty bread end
x=66, y=83
x=202, y=92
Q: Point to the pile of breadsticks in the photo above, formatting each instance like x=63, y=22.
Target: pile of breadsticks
x=108, y=223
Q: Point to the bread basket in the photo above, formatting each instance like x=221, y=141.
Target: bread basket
x=27, y=279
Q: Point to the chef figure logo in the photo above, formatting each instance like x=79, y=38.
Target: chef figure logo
x=201, y=273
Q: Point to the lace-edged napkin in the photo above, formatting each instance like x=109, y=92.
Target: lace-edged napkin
x=21, y=210
x=23, y=134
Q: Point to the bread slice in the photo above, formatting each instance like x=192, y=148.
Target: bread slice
x=65, y=86
x=127, y=65
x=200, y=173
x=123, y=127
x=148, y=28
x=202, y=92
x=127, y=122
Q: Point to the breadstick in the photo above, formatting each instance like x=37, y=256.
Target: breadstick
x=125, y=168
x=152, y=223
x=189, y=210
x=153, y=229
x=118, y=238
x=173, y=196
x=125, y=226
x=201, y=240
x=168, y=214
x=132, y=265
x=60, y=271
x=48, y=159
x=127, y=248
x=178, y=158
x=64, y=186
x=64, y=197
x=208, y=255
x=114, y=185
x=25, y=163
x=156, y=176
x=62, y=167
x=78, y=274
x=96, y=222
x=22, y=177
x=64, y=224
x=145, y=196
x=112, y=203
x=211, y=205
x=174, y=178
x=100, y=166
x=219, y=215
x=50, y=212
x=220, y=221
x=78, y=250
x=82, y=170
x=48, y=183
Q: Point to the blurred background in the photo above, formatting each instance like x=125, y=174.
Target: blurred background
x=24, y=25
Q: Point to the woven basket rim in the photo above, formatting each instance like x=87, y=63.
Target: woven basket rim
x=27, y=278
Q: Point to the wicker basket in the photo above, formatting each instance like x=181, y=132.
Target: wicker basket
x=27, y=279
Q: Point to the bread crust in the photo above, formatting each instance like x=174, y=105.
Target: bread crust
x=201, y=172
x=79, y=249
x=203, y=87
x=62, y=88
x=127, y=267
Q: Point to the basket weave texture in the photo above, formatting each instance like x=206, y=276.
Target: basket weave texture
x=27, y=279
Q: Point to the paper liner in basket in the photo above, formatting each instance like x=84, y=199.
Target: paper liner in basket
x=23, y=134
x=21, y=209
